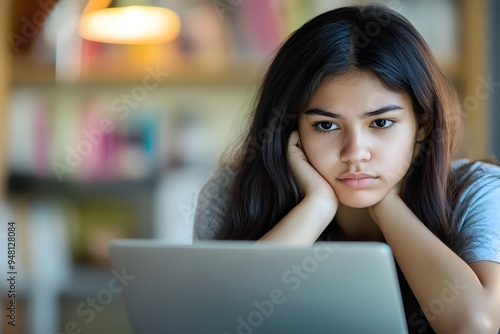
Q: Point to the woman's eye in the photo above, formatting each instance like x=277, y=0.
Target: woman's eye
x=382, y=123
x=326, y=126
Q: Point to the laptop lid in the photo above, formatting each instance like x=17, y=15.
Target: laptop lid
x=244, y=288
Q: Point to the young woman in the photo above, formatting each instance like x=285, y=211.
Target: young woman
x=353, y=138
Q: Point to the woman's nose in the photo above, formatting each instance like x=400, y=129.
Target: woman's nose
x=356, y=148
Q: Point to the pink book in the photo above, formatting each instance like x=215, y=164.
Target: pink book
x=90, y=145
x=41, y=136
x=263, y=24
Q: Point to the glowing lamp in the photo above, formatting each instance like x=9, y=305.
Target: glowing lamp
x=122, y=22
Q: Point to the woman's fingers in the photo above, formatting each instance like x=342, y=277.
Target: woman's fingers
x=310, y=180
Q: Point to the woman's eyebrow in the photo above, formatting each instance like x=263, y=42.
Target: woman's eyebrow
x=380, y=111
x=323, y=112
x=377, y=112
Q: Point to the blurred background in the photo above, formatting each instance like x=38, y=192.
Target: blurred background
x=102, y=139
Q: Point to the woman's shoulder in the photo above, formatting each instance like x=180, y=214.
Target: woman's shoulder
x=212, y=202
x=219, y=179
x=475, y=173
x=478, y=209
x=477, y=182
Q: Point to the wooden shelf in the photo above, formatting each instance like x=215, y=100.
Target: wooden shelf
x=74, y=188
x=27, y=71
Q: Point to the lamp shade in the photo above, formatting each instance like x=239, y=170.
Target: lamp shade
x=130, y=25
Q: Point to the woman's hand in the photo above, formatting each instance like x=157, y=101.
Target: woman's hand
x=311, y=182
x=309, y=218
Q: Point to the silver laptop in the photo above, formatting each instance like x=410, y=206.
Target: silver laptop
x=221, y=287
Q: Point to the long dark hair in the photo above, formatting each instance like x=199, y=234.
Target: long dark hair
x=370, y=38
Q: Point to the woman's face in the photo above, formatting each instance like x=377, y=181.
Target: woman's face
x=359, y=136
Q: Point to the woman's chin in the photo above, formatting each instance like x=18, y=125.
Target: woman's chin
x=359, y=202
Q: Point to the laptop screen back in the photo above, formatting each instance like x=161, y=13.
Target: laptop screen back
x=240, y=287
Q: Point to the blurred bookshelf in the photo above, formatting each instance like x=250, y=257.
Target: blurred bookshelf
x=95, y=154
x=29, y=71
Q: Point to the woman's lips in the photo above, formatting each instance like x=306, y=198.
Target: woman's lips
x=357, y=180
x=358, y=183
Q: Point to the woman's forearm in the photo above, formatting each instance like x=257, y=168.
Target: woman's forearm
x=447, y=289
x=303, y=224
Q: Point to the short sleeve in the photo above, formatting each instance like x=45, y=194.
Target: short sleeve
x=212, y=203
x=480, y=213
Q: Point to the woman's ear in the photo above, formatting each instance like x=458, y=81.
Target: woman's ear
x=421, y=134
x=424, y=126
x=423, y=130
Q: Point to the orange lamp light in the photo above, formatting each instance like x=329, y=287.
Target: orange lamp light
x=123, y=23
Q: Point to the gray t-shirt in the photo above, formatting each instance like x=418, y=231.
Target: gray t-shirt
x=478, y=211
